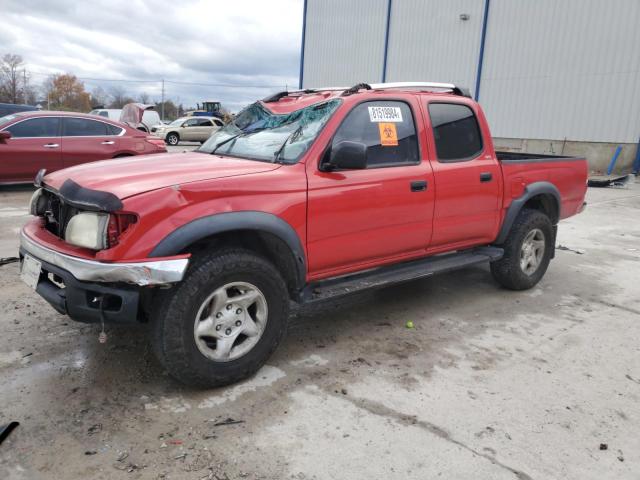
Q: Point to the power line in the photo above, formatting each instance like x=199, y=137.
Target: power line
x=174, y=82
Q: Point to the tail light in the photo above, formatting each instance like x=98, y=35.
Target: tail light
x=118, y=224
x=156, y=142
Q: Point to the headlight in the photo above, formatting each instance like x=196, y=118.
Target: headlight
x=38, y=203
x=88, y=230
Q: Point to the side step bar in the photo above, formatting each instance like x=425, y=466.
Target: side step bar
x=403, y=272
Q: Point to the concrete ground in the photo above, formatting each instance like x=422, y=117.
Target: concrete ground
x=542, y=384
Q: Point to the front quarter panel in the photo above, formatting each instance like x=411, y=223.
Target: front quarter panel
x=280, y=192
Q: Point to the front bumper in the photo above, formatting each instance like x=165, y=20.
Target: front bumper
x=153, y=272
x=90, y=291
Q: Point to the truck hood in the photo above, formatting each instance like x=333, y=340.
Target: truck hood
x=129, y=176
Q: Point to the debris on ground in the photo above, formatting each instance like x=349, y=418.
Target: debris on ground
x=604, y=446
x=5, y=430
x=608, y=181
x=410, y=324
x=94, y=429
x=562, y=247
x=90, y=452
x=8, y=260
x=228, y=421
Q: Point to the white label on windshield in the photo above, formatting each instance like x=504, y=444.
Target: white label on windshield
x=385, y=114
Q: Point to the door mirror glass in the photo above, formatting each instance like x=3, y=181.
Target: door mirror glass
x=5, y=136
x=348, y=155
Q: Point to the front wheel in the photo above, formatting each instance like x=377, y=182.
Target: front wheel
x=527, y=251
x=223, y=321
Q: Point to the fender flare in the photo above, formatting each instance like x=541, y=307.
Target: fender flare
x=530, y=191
x=204, y=227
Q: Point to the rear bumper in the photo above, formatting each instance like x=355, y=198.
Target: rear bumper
x=154, y=272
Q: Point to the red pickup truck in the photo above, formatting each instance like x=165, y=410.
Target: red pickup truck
x=307, y=195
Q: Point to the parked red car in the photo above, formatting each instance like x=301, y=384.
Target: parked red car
x=305, y=196
x=30, y=141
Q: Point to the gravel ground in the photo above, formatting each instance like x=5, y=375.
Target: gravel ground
x=543, y=384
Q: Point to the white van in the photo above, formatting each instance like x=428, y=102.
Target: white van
x=150, y=118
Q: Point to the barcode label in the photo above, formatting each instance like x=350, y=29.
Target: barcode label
x=385, y=114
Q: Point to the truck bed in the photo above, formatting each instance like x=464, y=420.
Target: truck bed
x=567, y=174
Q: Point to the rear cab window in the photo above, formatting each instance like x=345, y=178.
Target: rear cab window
x=456, y=132
x=386, y=128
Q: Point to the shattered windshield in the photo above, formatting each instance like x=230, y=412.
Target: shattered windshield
x=258, y=134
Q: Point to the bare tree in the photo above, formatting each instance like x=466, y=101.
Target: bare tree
x=99, y=97
x=119, y=97
x=144, y=98
x=10, y=78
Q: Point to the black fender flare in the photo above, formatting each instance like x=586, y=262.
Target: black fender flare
x=530, y=191
x=210, y=225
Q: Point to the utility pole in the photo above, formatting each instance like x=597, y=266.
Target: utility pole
x=24, y=86
x=162, y=104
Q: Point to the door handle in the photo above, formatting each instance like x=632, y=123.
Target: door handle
x=108, y=142
x=418, y=186
x=51, y=145
x=486, y=177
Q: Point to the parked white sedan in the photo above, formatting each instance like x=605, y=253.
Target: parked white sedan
x=188, y=129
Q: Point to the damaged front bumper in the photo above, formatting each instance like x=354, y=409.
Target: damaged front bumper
x=90, y=291
x=152, y=272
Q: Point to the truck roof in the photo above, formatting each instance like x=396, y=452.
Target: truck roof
x=289, y=101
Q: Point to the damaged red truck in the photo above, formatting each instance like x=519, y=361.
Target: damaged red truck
x=306, y=196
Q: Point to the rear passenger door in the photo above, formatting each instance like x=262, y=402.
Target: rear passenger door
x=85, y=140
x=34, y=144
x=468, y=179
x=379, y=214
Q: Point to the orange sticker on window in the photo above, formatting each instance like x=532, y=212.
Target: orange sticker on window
x=388, y=134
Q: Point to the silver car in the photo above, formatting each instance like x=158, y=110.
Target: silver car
x=188, y=129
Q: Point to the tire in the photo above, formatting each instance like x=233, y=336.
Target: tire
x=523, y=265
x=172, y=139
x=199, y=359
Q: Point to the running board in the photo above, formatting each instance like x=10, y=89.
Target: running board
x=403, y=272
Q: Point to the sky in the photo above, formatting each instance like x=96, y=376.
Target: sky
x=244, y=43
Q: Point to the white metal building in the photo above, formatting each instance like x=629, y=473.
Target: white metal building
x=551, y=75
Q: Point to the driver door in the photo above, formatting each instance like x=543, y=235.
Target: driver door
x=381, y=214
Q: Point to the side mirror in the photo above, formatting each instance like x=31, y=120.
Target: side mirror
x=348, y=156
x=4, y=136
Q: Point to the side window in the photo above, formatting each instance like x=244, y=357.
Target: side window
x=104, y=113
x=36, y=127
x=113, y=130
x=218, y=123
x=386, y=128
x=192, y=122
x=203, y=122
x=456, y=132
x=82, y=127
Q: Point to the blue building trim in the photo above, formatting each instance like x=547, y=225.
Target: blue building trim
x=304, y=31
x=386, y=42
x=485, y=19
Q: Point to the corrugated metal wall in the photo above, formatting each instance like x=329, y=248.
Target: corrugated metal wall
x=556, y=69
x=344, y=42
x=428, y=41
x=552, y=69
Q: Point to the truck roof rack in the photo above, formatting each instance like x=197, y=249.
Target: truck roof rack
x=462, y=91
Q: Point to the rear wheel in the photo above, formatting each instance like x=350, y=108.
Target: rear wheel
x=223, y=321
x=527, y=251
x=172, y=139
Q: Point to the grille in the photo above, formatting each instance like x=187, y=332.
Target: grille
x=57, y=214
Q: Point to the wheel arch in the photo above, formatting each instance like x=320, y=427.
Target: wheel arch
x=542, y=196
x=262, y=232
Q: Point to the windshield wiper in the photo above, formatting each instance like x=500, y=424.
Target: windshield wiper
x=233, y=137
x=295, y=133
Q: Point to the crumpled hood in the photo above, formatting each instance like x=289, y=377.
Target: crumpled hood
x=129, y=176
